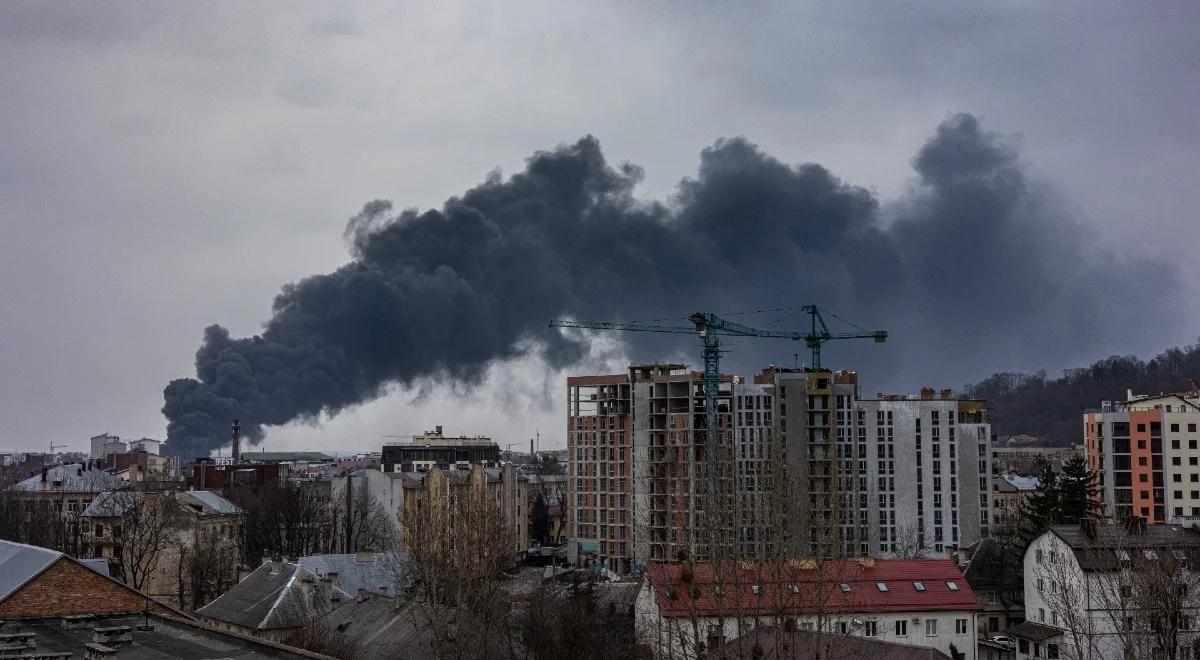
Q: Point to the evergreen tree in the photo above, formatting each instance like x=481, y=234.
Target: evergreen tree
x=1040, y=510
x=1078, y=492
x=539, y=526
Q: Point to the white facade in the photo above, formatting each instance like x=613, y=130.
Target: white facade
x=674, y=636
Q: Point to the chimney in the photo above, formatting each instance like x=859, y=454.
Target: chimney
x=44, y=471
x=947, y=394
x=926, y=393
x=438, y=429
x=237, y=437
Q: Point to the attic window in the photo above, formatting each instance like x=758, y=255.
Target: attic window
x=1150, y=554
x=845, y=588
x=919, y=586
x=881, y=586
x=795, y=588
x=1122, y=555
x=756, y=589
x=951, y=585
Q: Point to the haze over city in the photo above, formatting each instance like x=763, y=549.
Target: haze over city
x=1004, y=188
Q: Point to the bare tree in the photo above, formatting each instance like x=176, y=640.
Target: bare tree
x=149, y=524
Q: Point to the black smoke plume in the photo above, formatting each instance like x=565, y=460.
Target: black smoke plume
x=975, y=267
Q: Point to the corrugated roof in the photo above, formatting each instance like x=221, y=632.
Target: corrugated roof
x=375, y=572
x=212, y=503
x=72, y=478
x=113, y=504
x=275, y=595
x=20, y=563
x=799, y=587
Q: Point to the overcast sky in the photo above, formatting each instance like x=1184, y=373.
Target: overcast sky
x=165, y=166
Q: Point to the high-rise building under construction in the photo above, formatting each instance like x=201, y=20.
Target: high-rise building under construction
x=806, y=467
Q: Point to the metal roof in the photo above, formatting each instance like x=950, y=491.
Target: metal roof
x=212, y=503
x=275, y=595
x=113, y=504
x=20, y=563
x=376, y=572
x=72, y=478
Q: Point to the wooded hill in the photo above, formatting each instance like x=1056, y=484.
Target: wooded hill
x=1051, y=408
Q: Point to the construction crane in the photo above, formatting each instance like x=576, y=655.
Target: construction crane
x=710, y=327
x=54, y=447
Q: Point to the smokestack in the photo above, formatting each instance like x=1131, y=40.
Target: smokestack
x=237, y=437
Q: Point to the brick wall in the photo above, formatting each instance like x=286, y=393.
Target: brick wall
x=70, y=588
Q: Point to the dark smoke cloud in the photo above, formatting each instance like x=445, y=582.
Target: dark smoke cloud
x=975, y=268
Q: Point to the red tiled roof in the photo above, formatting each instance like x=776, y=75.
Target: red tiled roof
x=800, y=587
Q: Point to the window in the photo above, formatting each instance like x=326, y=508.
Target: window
x=869, y=629
x=1041, y=584
x=881, y=586
x=919, y=586
x=960, y=626
x=951, y=585
x=794, y=588
x=902, y=628
x=845, y=588
x=756, y=589
x=1052, y=651
x=1042, y=615
x=931, y=627
x=1039, y=555
x=1053, y=618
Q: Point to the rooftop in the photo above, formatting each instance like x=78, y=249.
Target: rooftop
x=71, y=478
x=165, y=638
x=207, y=503
x=376, y=572
x=275, y=595
x=799, y=586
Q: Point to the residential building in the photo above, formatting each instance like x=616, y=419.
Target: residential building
x=434, y=449
x=39, y=583
x=106, y=443
x=1009, y=491
x=179, y=547
x=1107, y=592
x=891, y=476
x=553, y=490
x=273, y=601
x=924, y=603
x=994, y=573
x=58, y=495
x=1032, y=460
x=1146, y=453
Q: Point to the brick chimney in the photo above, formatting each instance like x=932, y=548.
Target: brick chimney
x=926, y=393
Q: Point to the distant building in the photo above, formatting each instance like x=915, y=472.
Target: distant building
x=1031, y=461
x=1009, y=491
x=892, y=476
x=379, y=573
x=302, y=457
x=1146, y=452
x=210, y=476
x=106, y=443
x=924, y=602
x=432, y=449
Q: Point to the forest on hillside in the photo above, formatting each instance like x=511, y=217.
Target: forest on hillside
x=1051, y=408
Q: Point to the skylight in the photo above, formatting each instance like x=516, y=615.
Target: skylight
x=951, y=585
x=1150, y=554
x=756, y=589
x=882, y=586
x=845, y=588
x=919, y=586
x=795, y=588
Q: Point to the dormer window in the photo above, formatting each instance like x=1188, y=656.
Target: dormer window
x=795, y=588
x=756, y=589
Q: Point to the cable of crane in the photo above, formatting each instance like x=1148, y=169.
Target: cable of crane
x=853, y=325
x=742, y=313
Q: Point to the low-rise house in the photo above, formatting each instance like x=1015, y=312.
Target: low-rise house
x=918, y=602
x=1101, y=591
x=274, y=601
x=54, y=499
x=37, y=583
x=179, y=547
x=994, y=573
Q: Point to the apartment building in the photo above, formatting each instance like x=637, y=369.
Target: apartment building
x=1146, y=453
x=888, y=476
x=434, y=449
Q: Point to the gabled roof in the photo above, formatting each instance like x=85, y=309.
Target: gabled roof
x=113, y=503
x=209, y=503
x=275, y=595
x=800, y=587
x=20, y=563
x=72, y=478
x=375, y=572
x=1101, y=551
